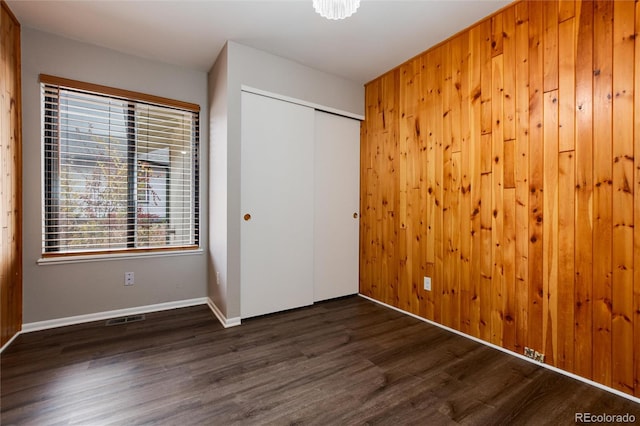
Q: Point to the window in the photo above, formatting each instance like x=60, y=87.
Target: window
x=120, y=170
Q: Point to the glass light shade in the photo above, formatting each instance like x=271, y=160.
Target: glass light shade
x=336, y=9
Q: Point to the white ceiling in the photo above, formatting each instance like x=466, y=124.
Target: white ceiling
x=381, y=35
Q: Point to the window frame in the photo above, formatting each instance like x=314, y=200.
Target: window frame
x=50, y=179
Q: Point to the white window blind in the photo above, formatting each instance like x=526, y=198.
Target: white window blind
x=120, y=170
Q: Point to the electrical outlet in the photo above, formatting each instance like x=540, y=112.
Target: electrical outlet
x=128, y=278
x=534, y=355
x=427, y=283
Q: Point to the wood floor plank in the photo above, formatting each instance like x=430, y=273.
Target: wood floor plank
x=346, y=361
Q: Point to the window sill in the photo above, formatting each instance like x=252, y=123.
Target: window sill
x=114, y=256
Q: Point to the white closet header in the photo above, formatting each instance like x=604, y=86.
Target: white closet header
x=301, y=102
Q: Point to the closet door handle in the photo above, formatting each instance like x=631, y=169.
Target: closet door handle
x=247, y=217
x=355, y=215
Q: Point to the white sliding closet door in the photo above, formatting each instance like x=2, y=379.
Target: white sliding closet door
x=277, y=205
x=337, y=201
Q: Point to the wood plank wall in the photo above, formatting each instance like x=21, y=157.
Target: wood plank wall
x=10, y=177
x=501, y=164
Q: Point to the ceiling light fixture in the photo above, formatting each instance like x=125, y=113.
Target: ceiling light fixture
x=336, y=9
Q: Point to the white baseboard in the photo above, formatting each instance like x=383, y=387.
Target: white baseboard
x=507, y=351
x=226, y=322
x=79, y=319
x=6, y=345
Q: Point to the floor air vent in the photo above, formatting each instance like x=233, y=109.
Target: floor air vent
x=125, y=320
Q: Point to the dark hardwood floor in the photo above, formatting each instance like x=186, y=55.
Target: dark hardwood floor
x=342, y=362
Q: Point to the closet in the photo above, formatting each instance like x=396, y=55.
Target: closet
x=300, y=205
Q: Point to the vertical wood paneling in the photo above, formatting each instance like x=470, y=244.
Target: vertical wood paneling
x=602, y=192
x=430, y=118
x=509, y=179
x=497, y=211
x=466, y=172
x=422, y=165
x=496, y=35
x=550, y=227
x=566, y=10
x=567, y=84
x=437, y=184
x=409, y=208
x=453, y=302
x=509, y=77
x=404, y=132
x=486, y=264
x=504, y=164
x=566, y=262
x=415, y=179
x=10, y=177
x=509, y=271
x=450, y=233
x=583, y=346
x=475, y=64
x=536, y=169
x=636, y=215
x=379, y=239
x=509, y=163
x=522, y=175
x=368, y=205
x=390, y=192
x=486, y=161
x=550, y=45
x=623, y=196
x=485, y=87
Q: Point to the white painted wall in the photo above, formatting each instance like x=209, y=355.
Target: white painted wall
x=217, y=255
x=260, y=70
x=64, y=290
